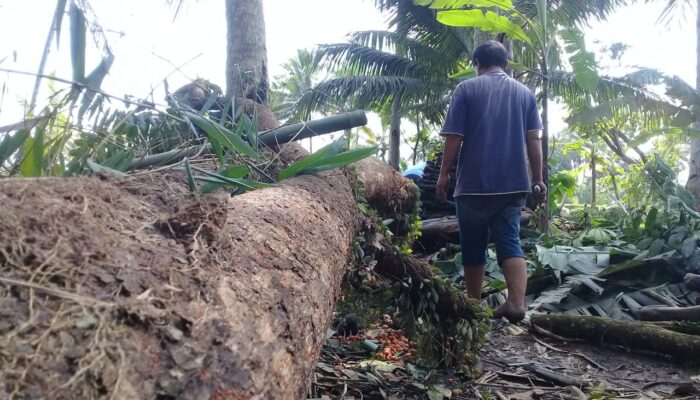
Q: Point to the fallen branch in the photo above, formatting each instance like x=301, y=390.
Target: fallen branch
x=634, y=335
x=661, y=313
x=556, y=377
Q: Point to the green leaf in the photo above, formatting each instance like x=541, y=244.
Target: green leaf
x=542, y=13
x=190, y=178
x=11, y=143
x=583, y=62
x=33, y=157
x=77, y=42
x=331, y=149
x=253, y=128
x=677, y=88
x=645, y=243
x=464, y=74
x=120, y=161
x=488, y=22
x=688, y=246
x=222, y=135
x=58, y=19
x=340, y=160
x=675, y=241
x=220, y=179
x=656, y=247
x=506, y=5
x=650, y=222
x=446, y=266
x=95, y=167
x=235, y=172
x=94, y=80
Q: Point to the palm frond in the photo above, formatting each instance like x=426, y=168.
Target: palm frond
x=421, y=24
x=358, y=92
x=362, y=60
x=673, y=8
x=436, y=58
x=570, y=13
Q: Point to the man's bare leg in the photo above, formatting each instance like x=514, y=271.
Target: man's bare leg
x=474, y=278
x=515, y=271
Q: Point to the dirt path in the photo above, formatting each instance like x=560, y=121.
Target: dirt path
x=511, y=352
x=516, y=365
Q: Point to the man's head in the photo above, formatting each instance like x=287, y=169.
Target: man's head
x=489, y=55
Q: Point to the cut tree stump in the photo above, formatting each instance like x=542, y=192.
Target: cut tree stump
x=131, y=288
x=634, y=335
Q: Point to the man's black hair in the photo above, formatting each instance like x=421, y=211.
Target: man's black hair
x=491, y=54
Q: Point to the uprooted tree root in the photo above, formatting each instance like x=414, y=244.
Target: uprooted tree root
x=83, y=266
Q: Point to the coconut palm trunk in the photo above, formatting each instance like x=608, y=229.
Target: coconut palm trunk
x=395, y=133
x=694, y=164
x=246, y=53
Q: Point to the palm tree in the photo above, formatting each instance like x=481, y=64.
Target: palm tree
x=678, y=9
x=300, y=76
x=674, y=7
x=246, y=51
x=407, y=69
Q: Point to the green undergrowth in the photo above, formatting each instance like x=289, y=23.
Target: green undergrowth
x=414, y=305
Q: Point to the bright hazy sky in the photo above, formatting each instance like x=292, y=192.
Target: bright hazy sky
x=151, y=36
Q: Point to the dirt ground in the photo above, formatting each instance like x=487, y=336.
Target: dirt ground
x=605, y=371
x=516, y=365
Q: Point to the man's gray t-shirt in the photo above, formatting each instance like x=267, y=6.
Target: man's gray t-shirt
x=493, y=114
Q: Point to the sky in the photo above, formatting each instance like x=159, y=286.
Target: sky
x=150, y=44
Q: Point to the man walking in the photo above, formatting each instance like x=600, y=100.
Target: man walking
x=494, y=126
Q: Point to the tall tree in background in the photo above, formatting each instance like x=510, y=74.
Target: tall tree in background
x=679, y=9
x=246, y=51
x=402, y=70
x=694, y=163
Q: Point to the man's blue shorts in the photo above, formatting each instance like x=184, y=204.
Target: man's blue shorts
x=498, y=215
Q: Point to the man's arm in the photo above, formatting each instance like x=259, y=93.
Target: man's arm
x=534, y=154
x=453, y=144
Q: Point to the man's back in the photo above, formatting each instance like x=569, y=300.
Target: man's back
x=493, y=113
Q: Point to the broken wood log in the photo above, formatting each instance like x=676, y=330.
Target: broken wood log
x=692, y=282
x=634, y=335
x=661, y=313
x=689, y=328
x=436, y=232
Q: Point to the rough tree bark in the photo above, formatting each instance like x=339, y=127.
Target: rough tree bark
x=246, y=53
x=132, y=288
x=395, y=133
x=635, y=335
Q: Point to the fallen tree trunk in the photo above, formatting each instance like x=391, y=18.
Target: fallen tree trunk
x=436, y=232
x=662, y=313
x=634, y=335
x=692, y=282
x=132, y=289
x=384, y=188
